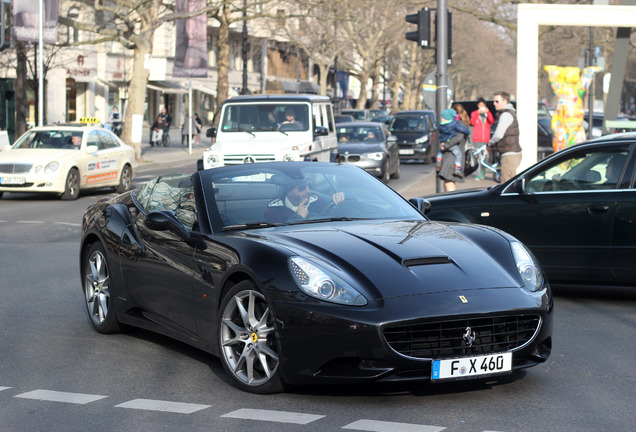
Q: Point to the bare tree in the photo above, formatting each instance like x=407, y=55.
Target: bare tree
x=133, y=24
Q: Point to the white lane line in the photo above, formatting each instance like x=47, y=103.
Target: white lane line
x=73, y=224
x=30, y=222
x=382, y=426
x=4, y=388
x=164, y=406
x=56, y=396
x=273, y=416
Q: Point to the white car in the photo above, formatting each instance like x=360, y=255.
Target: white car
x=65, y=159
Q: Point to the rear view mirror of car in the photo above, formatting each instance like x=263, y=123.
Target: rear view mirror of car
x=92, y=149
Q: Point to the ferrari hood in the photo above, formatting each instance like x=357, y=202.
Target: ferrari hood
x=407, y=257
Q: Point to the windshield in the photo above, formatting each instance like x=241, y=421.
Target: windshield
x=408, y=124
x=265, y=117
x=50, y=139
x=358, y=134
x=289, y=193
x=356, y=114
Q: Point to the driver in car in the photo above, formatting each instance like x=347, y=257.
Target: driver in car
x=298, y=202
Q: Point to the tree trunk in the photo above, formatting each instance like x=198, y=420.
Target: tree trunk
x=223, y=65
x=324, y=72
x=364, y=79
x=21, y=101
x=137, y=89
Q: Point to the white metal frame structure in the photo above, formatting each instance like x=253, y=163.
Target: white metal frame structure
x=529, y=18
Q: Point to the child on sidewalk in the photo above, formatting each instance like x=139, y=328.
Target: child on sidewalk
x=450, y=136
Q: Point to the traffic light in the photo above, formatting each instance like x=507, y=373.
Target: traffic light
x=423, y=33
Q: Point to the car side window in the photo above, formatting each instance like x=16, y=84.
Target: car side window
x=93, y=139
x=106, y=140
x=174, y=193
x=591, y=170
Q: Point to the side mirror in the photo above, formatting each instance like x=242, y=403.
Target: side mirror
x=392, y=138
x=92, y=149
x=421, y=204
x=211, y=132
x=199, y=164
x=321, y=131
x=519, y=185
x=165, y=220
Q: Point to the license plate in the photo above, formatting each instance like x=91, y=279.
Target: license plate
x=406, y=151
x=12, y=180
x=467, y=367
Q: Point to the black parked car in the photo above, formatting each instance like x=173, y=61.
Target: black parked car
x=371, y=147
x=359, y=290
x=417, y=134
x=575, y=210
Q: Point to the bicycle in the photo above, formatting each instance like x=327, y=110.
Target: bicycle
x=482, y=154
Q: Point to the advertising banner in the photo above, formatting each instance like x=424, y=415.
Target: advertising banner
x=191, y=58
x=26, y=20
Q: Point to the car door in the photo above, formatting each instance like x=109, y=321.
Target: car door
x=158, y=275
x=102, y=165
x=624, y=246
x=392, y=148
x=565, y=213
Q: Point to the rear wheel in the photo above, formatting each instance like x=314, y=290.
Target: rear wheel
x=125, y=181
x=98, y=290
x=71, y=185
x=247, y=340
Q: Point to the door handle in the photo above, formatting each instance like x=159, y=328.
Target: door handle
x=599, y=209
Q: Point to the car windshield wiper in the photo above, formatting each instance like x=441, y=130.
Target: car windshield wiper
x=251, y=225
x=239, y=130
x=329, y=219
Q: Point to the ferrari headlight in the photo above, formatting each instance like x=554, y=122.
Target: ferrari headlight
x=51, y=167
x=375, y=156
x=529, y=269
x=422, y=139
x=319, y=283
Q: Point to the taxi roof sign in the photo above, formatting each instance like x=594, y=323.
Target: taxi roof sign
x=87, y=120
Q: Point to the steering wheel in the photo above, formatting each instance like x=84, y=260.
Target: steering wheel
x=332, y=206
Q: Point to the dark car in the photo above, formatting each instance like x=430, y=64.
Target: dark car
x=371, y=147
x=417, y=134
x=343, y=118
x=357, y=114
x=386, y=119
x=363, y=288
x=574, y=210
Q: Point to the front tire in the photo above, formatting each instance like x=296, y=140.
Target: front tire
x=385, y=176
x=125, y=181
x=247, y=340
x=71, y=185
x=98, y=292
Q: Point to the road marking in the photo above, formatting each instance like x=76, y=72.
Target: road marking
x=4, y=388
x=73, y=224
x=273, y=416
x=382, y=426
x=30, y=222
x=56, y=396
x=165, y=406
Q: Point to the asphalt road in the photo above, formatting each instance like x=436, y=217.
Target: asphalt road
x=57, y=374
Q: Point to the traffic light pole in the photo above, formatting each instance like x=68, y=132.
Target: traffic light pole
x=441, y=53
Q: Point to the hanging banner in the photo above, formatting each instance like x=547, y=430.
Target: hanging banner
x=26, y=20
x=191, y=54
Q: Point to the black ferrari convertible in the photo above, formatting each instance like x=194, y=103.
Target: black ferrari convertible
x=305, y=272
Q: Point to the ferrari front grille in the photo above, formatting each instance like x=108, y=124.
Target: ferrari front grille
x=468, y=336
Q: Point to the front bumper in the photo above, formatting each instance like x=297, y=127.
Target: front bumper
x=414, y=151
x=34, y=183
x=329, y=344
x=374, y=167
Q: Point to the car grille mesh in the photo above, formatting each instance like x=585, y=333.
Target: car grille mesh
x=9, y=168
x=444, y=339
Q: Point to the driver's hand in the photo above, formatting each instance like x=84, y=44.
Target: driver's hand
x=303, y=208
x=338, y=197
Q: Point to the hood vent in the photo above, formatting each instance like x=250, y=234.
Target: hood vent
x=426, y=261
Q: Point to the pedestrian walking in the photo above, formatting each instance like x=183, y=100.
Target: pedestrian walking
x=481, y=120
x=506, y=136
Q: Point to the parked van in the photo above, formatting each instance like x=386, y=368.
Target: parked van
x=265, y=128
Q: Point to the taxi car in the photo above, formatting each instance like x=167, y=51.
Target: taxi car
x=65, y=159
